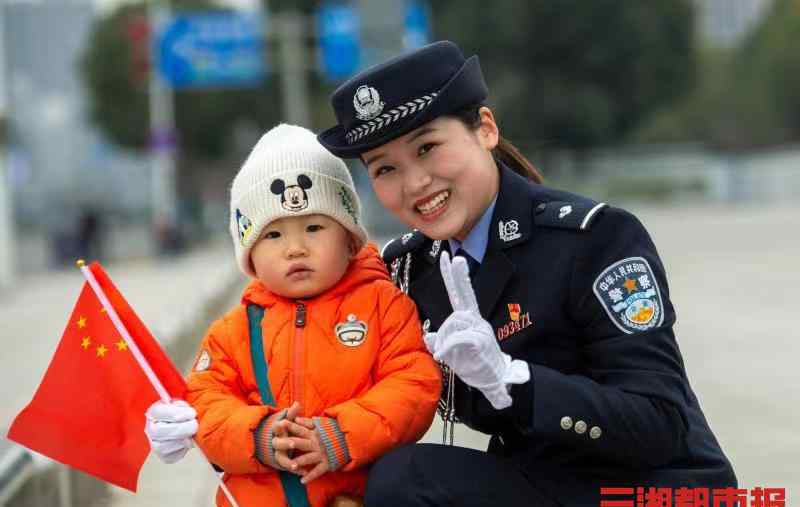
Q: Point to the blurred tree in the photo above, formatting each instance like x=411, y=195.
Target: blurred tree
x=572, y=73
x=568, y=73
x=304, y=6
x=116, y=66
x=768, y=67
x=746, y=97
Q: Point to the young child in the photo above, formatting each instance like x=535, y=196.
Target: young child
x=340, y=346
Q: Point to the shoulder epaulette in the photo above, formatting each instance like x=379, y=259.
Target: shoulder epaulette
x=402, y=245
x=576, y=215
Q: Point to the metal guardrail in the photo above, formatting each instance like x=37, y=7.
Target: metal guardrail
x=16, y=466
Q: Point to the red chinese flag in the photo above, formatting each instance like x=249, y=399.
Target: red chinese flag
x=88, y=412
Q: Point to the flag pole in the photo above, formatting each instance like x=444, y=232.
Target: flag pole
x=137, y=354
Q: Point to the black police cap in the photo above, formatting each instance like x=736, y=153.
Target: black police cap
x=388, y=100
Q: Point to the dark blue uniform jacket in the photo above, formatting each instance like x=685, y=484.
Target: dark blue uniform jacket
x=576, y=289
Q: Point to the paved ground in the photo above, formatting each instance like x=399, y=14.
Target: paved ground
x=733, y=278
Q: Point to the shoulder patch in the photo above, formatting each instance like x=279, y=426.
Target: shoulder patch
x=629, y=293
x=400, y=246
x=203, y=361
x=577, y=215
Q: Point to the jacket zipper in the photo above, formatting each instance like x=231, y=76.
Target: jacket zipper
x=297, y=377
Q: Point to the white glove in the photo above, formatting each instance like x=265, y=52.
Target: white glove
x=466, y=342
x=170, y=428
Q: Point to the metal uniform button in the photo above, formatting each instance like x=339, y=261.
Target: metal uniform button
x=580, y=427
x=540, y=208
x=595, y=432
x=566, y=422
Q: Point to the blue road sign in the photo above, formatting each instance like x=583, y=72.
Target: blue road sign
x=212, y=49
x=338, y=27
x=417, y=25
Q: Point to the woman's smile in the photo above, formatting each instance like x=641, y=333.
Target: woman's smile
x=438, y=178
x=432, y=207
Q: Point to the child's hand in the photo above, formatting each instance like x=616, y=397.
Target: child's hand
x=281, y=442
x=313, y=463
x=304, y=435
x=305, y=421
x=288, y=442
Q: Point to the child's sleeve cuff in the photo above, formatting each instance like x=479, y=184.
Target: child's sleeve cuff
x=263, y=435
x=333, y=440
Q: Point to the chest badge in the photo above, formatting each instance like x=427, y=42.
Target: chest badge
x=435, y=247
x=518, y=321
x=509, y=231
x=629, y=293
x=352, y=332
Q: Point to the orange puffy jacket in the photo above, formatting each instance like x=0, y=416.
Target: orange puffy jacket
x=382, y=390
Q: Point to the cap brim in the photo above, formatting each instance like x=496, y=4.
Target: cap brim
x=464, y=88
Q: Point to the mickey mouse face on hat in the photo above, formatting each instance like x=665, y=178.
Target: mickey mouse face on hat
x=293, y=197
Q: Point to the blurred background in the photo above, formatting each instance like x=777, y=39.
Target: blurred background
x=123, y=123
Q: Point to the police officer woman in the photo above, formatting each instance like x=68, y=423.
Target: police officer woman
x=553, y=318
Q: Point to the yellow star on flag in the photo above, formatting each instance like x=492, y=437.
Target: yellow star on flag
x=86, y=342
x=81, y=322
x=121, y=345
x=101, y=351
x=630, y=284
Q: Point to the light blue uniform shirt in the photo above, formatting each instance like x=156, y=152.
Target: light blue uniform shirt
x=478, y=238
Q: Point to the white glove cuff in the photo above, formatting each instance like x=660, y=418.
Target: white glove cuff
x=175, y=456
x=498, y=396
x=517, y=371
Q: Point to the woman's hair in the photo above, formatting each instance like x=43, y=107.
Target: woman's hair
x=504, y=152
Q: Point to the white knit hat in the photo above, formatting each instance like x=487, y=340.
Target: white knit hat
x=289, y=173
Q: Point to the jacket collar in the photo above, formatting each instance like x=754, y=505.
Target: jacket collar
x=478, y=238
x=366, y=267
x=512, y=222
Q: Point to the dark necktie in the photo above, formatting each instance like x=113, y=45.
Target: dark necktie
x=471, y=262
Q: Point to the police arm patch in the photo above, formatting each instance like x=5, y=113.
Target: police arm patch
x=629, y=293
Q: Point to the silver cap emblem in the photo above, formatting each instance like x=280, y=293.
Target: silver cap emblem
x=367, y=102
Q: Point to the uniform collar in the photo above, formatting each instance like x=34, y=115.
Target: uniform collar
x=511, y=224
x=506, y=222
x=478, y=238
x=512, y=220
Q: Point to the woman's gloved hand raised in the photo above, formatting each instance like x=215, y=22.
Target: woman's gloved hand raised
x=467, y=344
x=170, y=428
